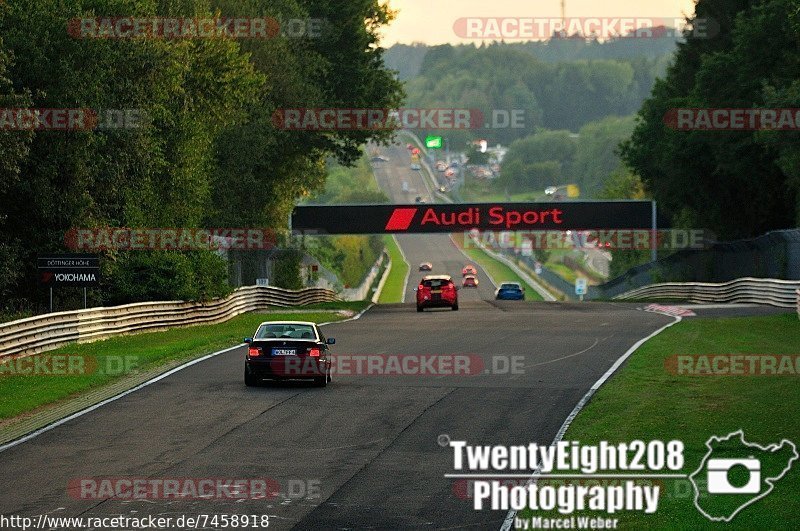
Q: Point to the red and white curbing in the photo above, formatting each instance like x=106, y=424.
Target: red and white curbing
x=670, y=310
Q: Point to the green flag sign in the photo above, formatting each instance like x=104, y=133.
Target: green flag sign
x=434, y=142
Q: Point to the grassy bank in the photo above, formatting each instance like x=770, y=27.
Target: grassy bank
x=647, y=400
x=393, y=288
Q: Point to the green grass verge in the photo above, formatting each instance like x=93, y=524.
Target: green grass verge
x=123, y=356
x=497, y=270
x=395, y=282
x=563, y=271
x=645, y=401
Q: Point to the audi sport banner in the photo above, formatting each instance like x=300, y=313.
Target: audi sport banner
x=422, y=218
x=78, y=270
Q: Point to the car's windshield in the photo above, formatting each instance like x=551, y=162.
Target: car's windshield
x=509, y=286
x=278, y=330
x=435, y=283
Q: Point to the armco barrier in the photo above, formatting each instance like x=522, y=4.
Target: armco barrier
x=46, y=332
x=773, y=292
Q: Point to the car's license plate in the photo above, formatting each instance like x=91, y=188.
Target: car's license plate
x=284, y=351
x=436, y=291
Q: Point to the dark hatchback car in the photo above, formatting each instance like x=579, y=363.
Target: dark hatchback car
x=288, y=350
x=510, y=291
x=437, y=291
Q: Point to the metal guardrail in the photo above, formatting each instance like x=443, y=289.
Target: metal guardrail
x=773, y=292
x=382, y=282
x=46, y=332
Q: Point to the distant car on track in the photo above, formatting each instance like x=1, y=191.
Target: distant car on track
x=469, y=269
x=419, y=199
x=379, y=159
x=437, y=291
x=416, y=167
x=426, y=266
x=470, y=281
x=510, y=291
x=288, y=350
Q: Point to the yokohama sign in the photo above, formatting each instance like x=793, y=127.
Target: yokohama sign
x=69, y=270
x=417, y=219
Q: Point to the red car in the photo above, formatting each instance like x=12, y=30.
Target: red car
x=469, y=269
x=437, y=291
x=470, y=282
x=288, y=350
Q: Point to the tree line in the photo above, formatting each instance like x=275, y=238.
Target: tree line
x=560, y=95
x=554, y=158
x=207, y=154
x=737, y=183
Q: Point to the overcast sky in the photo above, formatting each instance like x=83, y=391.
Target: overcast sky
x=432, y=21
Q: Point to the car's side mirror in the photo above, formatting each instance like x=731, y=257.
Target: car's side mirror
x=248, y=340
x=330, y=341
x=415, y=289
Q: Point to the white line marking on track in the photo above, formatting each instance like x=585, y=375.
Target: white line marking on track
x=509, y=521
x=596, y=342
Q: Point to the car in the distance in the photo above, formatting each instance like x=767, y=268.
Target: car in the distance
x=419, y=199
x=470, y=281
x=288, y=350
x=426, y=266
x=416, y=167
x=510, y=291
x=469, y=269
x=437, y=291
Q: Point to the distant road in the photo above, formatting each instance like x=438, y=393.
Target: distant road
x=435, y=248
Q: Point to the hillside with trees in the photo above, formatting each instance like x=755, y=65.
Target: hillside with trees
x=737, y=183
x=208, y=154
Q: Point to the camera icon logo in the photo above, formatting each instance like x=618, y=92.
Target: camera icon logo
x=736, y=473
x=719, y=476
